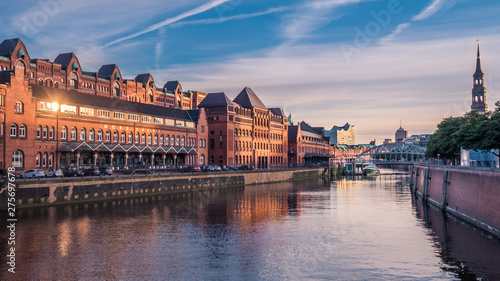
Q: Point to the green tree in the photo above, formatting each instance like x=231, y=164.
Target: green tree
x=443, y=141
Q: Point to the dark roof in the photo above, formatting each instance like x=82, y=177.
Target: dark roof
x=248, y=99
x=305, y=127
x=106, y=71
x=277, y=111
x=292, y=132
x=194, y=114
x=142, y=78
x=171, y=86
x=64, y=59
x=88, y=73
x=337, y=128
x=77, y=98
x=7, y=46
x=478, y=72
x=215, y=99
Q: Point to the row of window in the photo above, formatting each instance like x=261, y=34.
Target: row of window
x=45, y=160
x=248, y=133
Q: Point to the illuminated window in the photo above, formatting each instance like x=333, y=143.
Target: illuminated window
x=83, y=134
x=91, y=134
x=137, y=138
x=143, y=138
x=108, y=136
x=64, y=132
x=99, y=135
x=73, y=133
x=130, y=137
x=115, y=136
x=18, y=107
x=150, y=137
x=122, y=137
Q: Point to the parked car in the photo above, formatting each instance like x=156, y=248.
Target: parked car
x=245, y=167
x=208, y=168
x=196, y=169
x=54, y=173
x=92, y=172
x=34, y=173
x=231, y=168
x=217, y=168
x=73, y=173
x=106, y=171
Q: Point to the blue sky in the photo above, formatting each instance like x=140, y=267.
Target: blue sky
x=370, y=63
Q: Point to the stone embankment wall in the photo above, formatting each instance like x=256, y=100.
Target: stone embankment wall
x=470, y=194
x=31, y=193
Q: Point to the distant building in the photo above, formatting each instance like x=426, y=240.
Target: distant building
x=388, y=141
x=419, y=140
x=342, y=135
x=478, y=91
x=401, y=135
x=307, y=144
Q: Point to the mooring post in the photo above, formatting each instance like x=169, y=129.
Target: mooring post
x=444, y=202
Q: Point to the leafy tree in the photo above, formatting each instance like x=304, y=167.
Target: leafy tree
x=443, y=141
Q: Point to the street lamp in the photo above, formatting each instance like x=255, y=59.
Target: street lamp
x=438, y=157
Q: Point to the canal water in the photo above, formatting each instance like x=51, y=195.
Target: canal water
x=363, y=229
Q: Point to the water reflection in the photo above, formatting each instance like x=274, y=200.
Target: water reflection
x=352, y=229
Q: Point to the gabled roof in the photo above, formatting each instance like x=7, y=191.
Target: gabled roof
x=64, y=59
x=106, y=71
x=248, y=99
x=171, y=86
x=194, y=114
x=215, y=99
x=305, y=127
x=76, y=98
x=7, y=46
x=142, y=78
x=277, y=111
x=345, y=127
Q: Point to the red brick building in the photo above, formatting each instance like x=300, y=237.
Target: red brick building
x=53, y=114
x=244, y=131
x=307, y=145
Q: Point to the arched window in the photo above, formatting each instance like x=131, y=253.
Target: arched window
x=17, y=159
x=51, y=159
x=39, y=132
x=150, y=137
x=161, y=140
x=13, y=131
x=64, y=132
x=122, y=137
x=130, y=137
x=155, y=140
x=116, y=89
x=38, y=159
x=172, y=141
x=83, y=134
x=143, y=138
x=40, y=82
x=45, y=132
x=177, y=141
x=167, y=140
x=137, y=138
x=51, y=132
x=73, y=133
x=45, y=159
x=91, y=134
x=183, y=141
x=56, y=85
x=73, y=82
x=22, y=131
x=115, y=136
x=202, y=160
x=108, y=136
x=99, y=135
x=18, y=107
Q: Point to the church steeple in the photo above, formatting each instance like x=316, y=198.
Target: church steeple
x=478, y=90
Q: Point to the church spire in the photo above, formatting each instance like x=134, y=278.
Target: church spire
x=478, y=90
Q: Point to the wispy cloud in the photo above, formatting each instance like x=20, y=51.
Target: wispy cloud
x=430, y=10
x=200, y=9
x=400, y=28
x=230, y=18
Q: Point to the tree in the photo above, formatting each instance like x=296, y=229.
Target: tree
x=443, y=141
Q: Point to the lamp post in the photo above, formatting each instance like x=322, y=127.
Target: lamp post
x=438, y=157
x=55, y=107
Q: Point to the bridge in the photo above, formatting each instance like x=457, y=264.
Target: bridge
x=395, y=152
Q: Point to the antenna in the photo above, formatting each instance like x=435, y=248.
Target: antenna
x=400, y=123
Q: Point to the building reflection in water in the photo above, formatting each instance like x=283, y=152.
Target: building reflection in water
x=466, y=251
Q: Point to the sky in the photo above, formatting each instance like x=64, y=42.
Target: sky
x=375, y=64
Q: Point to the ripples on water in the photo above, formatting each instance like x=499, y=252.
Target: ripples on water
x=368, y=229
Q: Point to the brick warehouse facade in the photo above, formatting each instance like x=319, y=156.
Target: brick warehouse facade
x=244, y=131
x=56, y=115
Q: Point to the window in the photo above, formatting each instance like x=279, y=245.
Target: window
x=143, y=138
x=202, y=129
x=158, y=120
x=45, y=159
x=103, y=113
x=51, y=159
x=86, y=111
x=201, y=143
x=18, y=107
x=99, y=135
x=17, y=159
x=115, y=136
x=146, y=119
x=177, y=141
x=68, y=108
x=91, y=134
x=190, y=124
x=22, y=131
x=150, y=137
x=155, y=140
x=161, y=139
x=73, y=133
x=119, y=115
x=39, y=132
x=64, y=132
x=38, y=159
x=172, y=142
x=130, y=137
x=133, y=117
x=122, y=137
x=183, y=140
x=202, y=160
x=51, y=132
x=108, y=136
x=13, y=131
x=137, y=138
x=170, y=122
x=2, y=100
x=45, y=132
x=83, y=134
x=167, y=140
